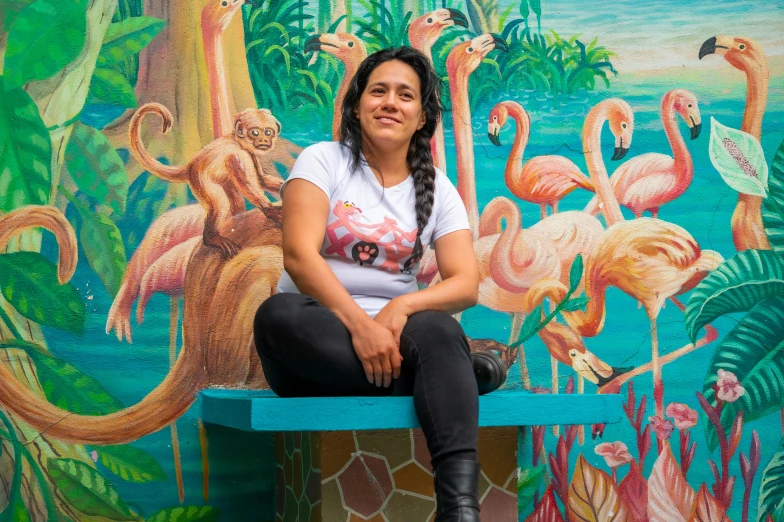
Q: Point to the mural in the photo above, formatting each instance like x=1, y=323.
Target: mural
x=623, y=169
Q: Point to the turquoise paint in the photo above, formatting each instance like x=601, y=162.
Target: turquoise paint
x=264, y=411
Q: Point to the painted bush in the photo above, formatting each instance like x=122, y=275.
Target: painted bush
x=542, y=101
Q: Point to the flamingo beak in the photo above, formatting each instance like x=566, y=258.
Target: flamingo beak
x=458, y=18
x=708, y=47
x=493, y=131
x=313, y=44
x=619, y=153
x=615, y=373
x=494, y=139
x=695, y=131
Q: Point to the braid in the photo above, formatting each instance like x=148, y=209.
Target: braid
x=420, y=161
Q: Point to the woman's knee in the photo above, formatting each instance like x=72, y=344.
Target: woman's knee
x=438, y=329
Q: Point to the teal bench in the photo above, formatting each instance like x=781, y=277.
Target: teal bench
x=345, y=459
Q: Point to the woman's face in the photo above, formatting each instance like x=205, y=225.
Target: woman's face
x=390, y=108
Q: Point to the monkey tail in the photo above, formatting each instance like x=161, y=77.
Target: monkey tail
x=165, y=172
x=48, y=217
x=168, y=401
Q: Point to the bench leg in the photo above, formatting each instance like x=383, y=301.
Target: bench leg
x=383, y=476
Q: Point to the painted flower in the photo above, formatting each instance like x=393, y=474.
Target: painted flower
x=728, y=387
x=615, y=453
x=94, y=456
x=684, y=416
x=661, y=427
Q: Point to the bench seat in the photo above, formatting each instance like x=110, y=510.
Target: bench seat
x=352, y=459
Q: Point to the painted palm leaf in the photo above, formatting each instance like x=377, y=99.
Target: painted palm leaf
x=754, y=352
x=736, y=286
x=773, y=205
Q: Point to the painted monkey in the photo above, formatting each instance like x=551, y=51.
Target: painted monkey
x=223, y=172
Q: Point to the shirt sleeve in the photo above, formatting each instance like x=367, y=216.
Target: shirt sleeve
x=317, y=164
x=451, y=215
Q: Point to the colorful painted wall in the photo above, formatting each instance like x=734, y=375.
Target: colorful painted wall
x=568, y=125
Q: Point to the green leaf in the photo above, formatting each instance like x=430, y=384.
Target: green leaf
x=739, y=158
x=524, y=12
x=773, y=205
x=771, y=492
x=528, y=485
x=12, y=9
x=529, y=327
x=45, y=37
x=735, y=286
x=86, y=490
x=96, y=168
x=131, y=464
x=65, y=385
x=576, y=273
x=29, y=282
x=25, y=152
x=111, y=86
x=536, y=6
x=185, y=514
x=104, y=249
x=127, y=38
x=754, y=351
x=572, y=305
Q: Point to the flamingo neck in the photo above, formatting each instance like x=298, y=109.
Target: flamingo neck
x=683, y=164
x=757, y=79
x=592, y=144
x=349, y=71
x=514, y=164
x=216, y=75
x=461, y=118
x=590, y=322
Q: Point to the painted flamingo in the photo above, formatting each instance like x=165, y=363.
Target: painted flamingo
x=650, y=180
x=423, y=33
x=543, y=180
x=746, y=55
x=649, y=259
x=351, y=51
x=462, y=61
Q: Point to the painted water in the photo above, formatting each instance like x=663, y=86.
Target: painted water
x=650, y=65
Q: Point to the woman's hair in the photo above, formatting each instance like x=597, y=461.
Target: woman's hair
x=419, y=158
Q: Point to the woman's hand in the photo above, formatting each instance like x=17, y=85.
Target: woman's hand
x=393, y=317
x=379, y=352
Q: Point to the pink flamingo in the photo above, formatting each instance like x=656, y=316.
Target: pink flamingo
x=543, y=180
x=746, y=55
x=351, y=51
x=649, y=259
x=650, y=180
x=423, y=33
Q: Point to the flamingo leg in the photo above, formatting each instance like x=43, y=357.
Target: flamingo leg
x=658, y=385
x=205, y=463
x=542, y=211
x=554, y=372
x=554, y=207
x=581, y=428
x=517, y=324
x=174, y=315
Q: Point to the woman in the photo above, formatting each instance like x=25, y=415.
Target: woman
x=357, y=215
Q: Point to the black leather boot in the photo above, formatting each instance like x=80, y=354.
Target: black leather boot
x=489, y=370
x=456, y=483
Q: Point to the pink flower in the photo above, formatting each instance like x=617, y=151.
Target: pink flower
x=728, y=387
x=94, y=456
x=615, y=453
x=684, y=416
x=661, y=427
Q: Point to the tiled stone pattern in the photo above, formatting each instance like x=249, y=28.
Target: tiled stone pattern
x=383, y=476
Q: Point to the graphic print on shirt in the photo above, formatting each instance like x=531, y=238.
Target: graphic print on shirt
x=377, y=244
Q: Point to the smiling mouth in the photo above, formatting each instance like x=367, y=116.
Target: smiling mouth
x=387, y=118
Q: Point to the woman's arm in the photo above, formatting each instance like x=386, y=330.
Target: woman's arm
x=305, y=211
x=458, y=290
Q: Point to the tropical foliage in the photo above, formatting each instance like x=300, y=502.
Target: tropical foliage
x=753, y=351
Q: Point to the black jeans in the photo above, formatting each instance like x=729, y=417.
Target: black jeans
x=306, y=351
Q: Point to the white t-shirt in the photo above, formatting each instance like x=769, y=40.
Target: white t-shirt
x=371, y=230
